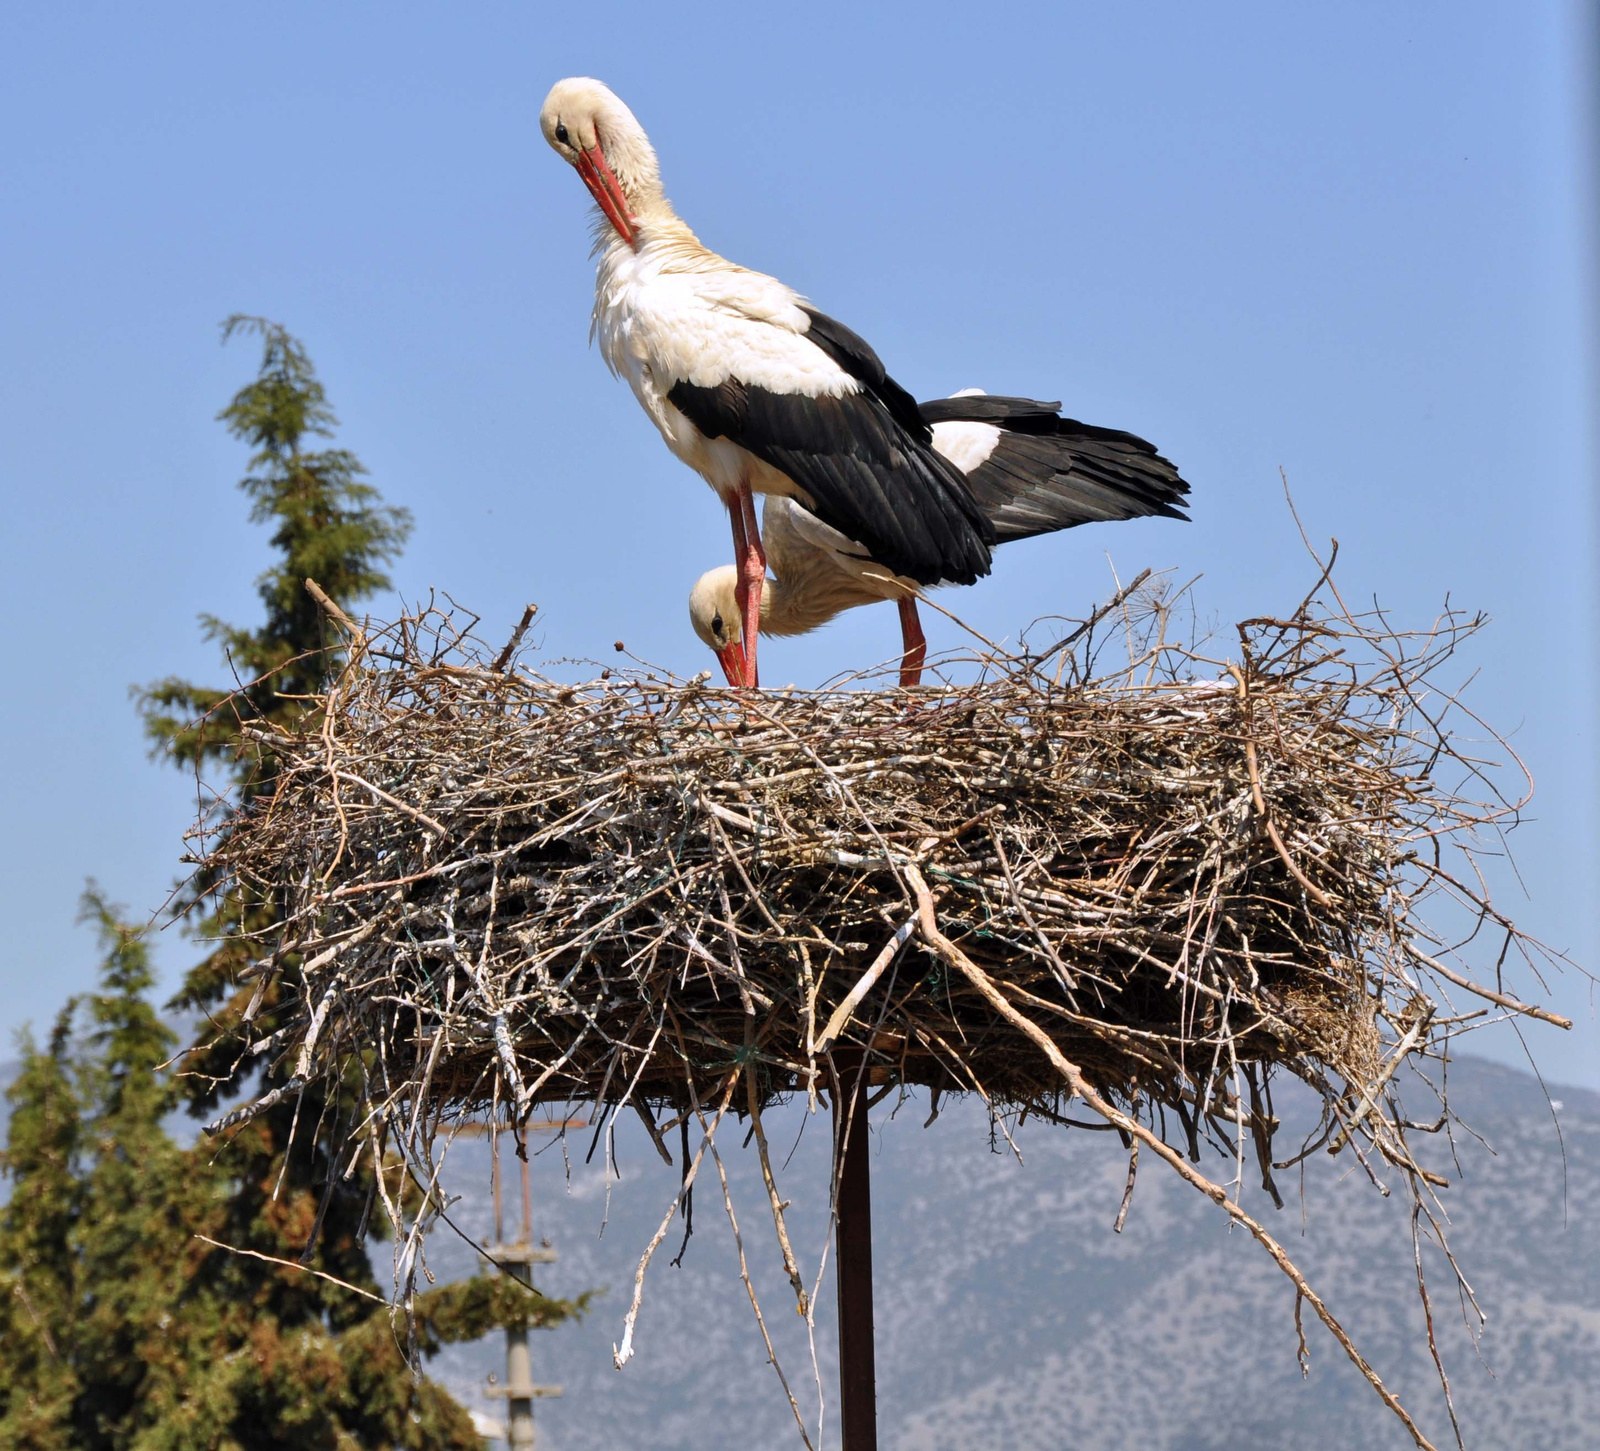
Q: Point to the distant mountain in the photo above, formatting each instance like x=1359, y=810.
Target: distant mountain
x=1010, y=1315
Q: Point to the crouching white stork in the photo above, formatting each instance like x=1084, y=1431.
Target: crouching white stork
x=1030, y=471
x=757, y=392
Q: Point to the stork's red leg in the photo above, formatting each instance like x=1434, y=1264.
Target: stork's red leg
x=915, y=642
x=740, y=543
x=751, y=561
x=741, y=547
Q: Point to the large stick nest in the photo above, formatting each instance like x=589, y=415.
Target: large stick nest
x=1184, y=869
x=1176, y=872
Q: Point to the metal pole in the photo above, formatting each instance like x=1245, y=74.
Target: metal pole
x=519, y=1363
x=517, y=1260
x=858, y=1388
x=519, y=1377
x=494, y=1176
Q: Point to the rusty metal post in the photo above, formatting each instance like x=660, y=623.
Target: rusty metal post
x=858, y=1381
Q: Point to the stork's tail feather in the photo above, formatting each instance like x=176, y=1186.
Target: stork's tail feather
x=1034, y=472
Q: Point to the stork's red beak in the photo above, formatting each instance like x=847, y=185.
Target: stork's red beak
x=607, y=191
x=731, y=657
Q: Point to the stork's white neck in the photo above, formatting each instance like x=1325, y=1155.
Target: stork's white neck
x=665, y=242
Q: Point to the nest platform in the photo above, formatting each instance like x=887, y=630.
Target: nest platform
x=1188, y=872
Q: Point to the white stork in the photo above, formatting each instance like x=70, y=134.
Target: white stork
x=1030, y=471
x=753, y=389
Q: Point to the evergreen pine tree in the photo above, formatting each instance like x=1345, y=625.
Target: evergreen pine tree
x=120, y=1328
x=130, y=1238
x=38, y=1278
x=286, y=1200
x=329, y=525
x=122, y=1323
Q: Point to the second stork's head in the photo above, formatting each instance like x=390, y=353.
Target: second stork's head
x=714, y=613
x=591, y=129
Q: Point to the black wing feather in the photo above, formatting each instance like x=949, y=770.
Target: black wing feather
x=865, y=459
x=1048, y=473
x=860, y=360
x=1017, y=415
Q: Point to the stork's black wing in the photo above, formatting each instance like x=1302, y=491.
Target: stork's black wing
x=860, y=360
x=1048, y=473
x=865, y=459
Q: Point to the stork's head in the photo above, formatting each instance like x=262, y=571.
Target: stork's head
x=590, y=128
x=714, y=613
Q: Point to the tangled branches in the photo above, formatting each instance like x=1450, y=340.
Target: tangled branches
x=1149, y=888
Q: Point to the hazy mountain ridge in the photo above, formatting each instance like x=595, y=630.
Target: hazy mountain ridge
x=1008, y=1313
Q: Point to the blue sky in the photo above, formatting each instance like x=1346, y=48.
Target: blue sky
x=1348, y=241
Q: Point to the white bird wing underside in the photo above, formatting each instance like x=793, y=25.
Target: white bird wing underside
x=800, y=544
x=823, y=572
x=791, y=533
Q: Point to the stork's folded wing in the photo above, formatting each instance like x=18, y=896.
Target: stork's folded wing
x=863, y=472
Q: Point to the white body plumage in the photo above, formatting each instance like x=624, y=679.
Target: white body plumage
x=674, y=312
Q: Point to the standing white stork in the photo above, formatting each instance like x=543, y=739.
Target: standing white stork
x=754, y=390
x=1031, y=472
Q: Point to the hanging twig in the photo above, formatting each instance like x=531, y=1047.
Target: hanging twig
x=255, y=1254
x=1080, y=1086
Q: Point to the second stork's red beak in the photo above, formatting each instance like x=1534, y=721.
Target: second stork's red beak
x=731, y=657
x=607, y=192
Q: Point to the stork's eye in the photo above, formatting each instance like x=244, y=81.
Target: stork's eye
x=561, y=132
x=716, y=627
